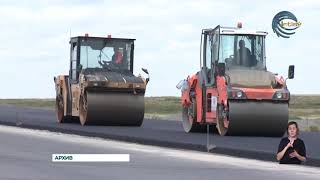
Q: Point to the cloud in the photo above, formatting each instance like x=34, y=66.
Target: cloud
x=35, y=37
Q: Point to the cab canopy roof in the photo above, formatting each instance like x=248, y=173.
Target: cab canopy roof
x=233, y=30
x=104, y=38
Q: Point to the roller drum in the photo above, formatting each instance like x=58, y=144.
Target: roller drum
x=113, y=108
x=257, y=118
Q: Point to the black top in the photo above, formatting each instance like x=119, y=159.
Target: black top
x=298, y=145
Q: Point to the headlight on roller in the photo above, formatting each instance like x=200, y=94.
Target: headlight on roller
x=281, y=95
x=278, y=95
x=239, y=94
x=236, y=94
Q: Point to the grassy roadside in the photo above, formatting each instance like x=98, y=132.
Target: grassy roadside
x=305, y=107
x=37, y=103
x=302, y=107
x=306, y=110
x=154, y=105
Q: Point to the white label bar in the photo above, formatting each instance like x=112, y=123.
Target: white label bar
x=90, y=158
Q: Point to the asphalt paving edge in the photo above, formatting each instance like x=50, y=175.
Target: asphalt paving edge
x=265, y=156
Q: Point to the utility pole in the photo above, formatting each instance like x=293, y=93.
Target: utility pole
x=209, y=146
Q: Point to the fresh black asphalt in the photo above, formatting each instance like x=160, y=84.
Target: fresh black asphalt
x=160, y=133
x=26, y=155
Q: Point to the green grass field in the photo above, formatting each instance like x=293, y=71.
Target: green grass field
x=305, y=107
x=38, y=103
x=301, y=106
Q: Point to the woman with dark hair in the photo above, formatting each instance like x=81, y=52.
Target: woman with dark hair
x=291, y=149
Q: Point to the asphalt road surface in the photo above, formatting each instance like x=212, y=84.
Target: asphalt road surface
x=161, y=133
x=26, y=154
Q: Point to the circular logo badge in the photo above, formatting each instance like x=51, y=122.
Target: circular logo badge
x=284, y=24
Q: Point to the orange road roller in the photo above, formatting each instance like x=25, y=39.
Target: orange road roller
x=233, y=90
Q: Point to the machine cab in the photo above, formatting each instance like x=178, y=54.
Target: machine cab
x=231, y=48
x=100, y=54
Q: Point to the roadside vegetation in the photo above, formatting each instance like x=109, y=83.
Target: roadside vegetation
x=37, y=103
x=303, y=108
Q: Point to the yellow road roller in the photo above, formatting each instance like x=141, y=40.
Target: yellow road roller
x=101, y=88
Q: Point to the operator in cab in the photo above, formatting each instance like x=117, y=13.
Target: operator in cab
x=291, y=149
x=244, y=54
x=117, y=57
x=245, y=58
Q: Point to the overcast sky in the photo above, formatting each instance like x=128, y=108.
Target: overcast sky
x=35, y=34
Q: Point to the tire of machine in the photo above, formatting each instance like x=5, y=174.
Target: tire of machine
x=220, y=124
x=111, y=108
x=257, y=118
x=59, y=106
x=61, y=118
x=83, y=107
x=188, y=122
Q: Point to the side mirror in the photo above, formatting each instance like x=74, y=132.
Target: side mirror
x=291, y=72
x=145, y=70
x=79, y=67
x=221, y=68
